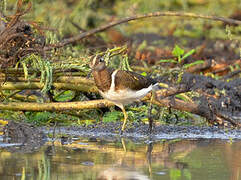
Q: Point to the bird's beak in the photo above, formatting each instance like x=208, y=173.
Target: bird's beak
x=91, y=65
x=92, y=61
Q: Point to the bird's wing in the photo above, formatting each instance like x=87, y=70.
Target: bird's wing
x=132, y=80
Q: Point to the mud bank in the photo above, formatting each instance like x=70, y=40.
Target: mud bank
x=24, y=138
x=139, y=132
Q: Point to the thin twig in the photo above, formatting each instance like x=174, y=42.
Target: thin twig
x=232, y=74
x=229, y=119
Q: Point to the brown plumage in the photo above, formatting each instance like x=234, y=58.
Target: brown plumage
x=103, y=79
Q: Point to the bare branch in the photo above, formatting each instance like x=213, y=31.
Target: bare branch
x=124, y=20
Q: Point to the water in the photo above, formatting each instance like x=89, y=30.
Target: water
x=83, y=158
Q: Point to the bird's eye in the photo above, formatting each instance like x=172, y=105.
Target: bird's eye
x=102, y=59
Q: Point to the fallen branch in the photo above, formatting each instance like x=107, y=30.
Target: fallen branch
x=200, y=67
x=232, y=74
x=93, y=104
x=59, y=106
x=124, y=20
x=37, y=85
x=62, y=106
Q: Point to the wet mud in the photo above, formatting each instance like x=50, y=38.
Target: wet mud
x=25, y=138
x=139, y=132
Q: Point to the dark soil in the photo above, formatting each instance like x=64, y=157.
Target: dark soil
x=26, y=137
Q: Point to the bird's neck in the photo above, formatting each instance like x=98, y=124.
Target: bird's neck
x=103, y=78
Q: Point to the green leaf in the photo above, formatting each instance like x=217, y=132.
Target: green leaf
x=175, y=174
x=38, y=117
x=125, y=63
x=180, y=96
x=144, y=74
x=87, y=122
x=177, y=51
x=187, y=174
x=112, y=116
x=64, y=96
x=142, y=46
x=179, y=79
x=189, y=53
x=25, y=70
x=168, y=61
x=193, y=64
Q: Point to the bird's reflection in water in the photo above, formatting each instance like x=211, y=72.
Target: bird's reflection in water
x=124, y=173
x=149, y=157
x=121, y=174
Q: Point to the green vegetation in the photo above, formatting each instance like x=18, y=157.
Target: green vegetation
x=57, y=20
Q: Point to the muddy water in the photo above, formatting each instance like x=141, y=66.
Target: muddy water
x=93, y=158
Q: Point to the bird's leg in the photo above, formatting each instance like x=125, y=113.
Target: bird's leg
x=125, y=118
x=153, y=97
x=123, y=144
x=149, y=157
x=150, y=119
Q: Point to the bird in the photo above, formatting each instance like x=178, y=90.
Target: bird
x=121, y=87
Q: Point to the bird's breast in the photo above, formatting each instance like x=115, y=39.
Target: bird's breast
x=102, y=80
x=125, y=96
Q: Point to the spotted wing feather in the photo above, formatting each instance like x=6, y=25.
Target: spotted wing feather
x=132, y=80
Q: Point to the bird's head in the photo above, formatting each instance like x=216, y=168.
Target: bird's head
x=97, y=63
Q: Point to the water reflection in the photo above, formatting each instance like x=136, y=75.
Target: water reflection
x=123, y=159
x=121, y=173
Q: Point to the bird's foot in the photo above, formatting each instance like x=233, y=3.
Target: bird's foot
x=150, y=130
x=121, y=132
